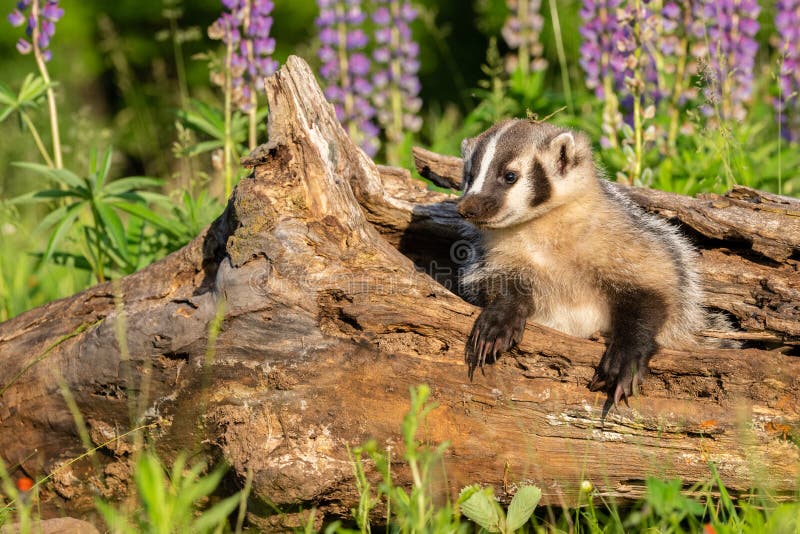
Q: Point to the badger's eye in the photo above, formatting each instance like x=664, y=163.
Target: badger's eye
x=510, y=177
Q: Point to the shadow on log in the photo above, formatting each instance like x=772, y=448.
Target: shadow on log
x=319, y=271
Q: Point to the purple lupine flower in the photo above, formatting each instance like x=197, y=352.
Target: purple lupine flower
x=396, y=58
x=730, y=30
x=245, y=27
x=678, y=20
x=346, y=67
x=598, y=47
x=41, y=25
x=609, y=46
x=521, y=32
x=16, y=18
x=787, y=24
x=624, y=63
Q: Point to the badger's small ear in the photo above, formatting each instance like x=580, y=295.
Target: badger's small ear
x=563, y=146
x=467, y=146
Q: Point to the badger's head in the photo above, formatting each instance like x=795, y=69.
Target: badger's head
x=519, y=169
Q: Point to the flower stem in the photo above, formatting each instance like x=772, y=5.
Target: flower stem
x=562, y=56
x=674, y=105
x=637, y=96
x=781, y=61
x=227, y=155
x=251, y=114
x=344, y=78
x=37, y=138
x=252, y=139
x=100, y=272
x=524, y=52
x=180, y=68
x=394, y=133
x=51, y=96
x=610, y=106
x=415, y=475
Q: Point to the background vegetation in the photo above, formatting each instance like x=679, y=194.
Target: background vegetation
x=134, y=77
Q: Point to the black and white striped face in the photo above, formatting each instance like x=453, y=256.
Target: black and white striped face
x=516, y=170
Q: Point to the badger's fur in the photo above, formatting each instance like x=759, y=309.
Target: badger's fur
x=564, y=248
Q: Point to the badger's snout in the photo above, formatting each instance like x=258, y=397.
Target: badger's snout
x=478, y=208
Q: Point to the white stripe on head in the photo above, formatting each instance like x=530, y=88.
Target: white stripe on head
x=486, y=160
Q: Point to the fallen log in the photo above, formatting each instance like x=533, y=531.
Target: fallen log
x=294, y=326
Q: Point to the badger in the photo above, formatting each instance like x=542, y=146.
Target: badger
x=565, y=248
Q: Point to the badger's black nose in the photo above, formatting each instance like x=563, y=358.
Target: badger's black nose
x=477, y=207
x=467, y=209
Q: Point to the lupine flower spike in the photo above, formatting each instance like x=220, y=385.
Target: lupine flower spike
x=521, y=33
x=730, y=31
x=245, y=26
x=345, y=69
x=787, y=24
x=678, y=18
x=598, y=53
x=609, y=48
x=396, y=94
x=41, y=17
x=623, y=36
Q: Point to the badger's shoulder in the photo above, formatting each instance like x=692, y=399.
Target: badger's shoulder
x=657, y=230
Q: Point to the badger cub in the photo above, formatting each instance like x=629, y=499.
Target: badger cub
x=566, y=249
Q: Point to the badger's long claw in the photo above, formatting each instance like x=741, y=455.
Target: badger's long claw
x=495, y=331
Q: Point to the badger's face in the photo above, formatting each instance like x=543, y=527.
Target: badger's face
x=517, y=170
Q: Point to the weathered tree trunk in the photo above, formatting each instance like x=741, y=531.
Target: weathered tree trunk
x=325, y=325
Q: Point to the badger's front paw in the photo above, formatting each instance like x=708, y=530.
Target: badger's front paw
x=495, y=331
x=619, y=374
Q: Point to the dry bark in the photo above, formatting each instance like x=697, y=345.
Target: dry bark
x=325, y=325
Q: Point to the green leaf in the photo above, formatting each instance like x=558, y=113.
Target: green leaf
x=130, y=183
x=114, y=519
x=61, y=230
x=104, y=170
x=40, y=196
x=143, y=197
x=204, y=146
x=7, y=96
x=62, y=176
x=54, y=216
x=157, y=198
x=205, y=119
x=216, y=515
x=665, y=497
x=522, y=506
x=116, y=231
x=152, y=486
x=481, y=508
x=33, y=88
x=201, y=487
x=170, y=227
x=77, y=261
